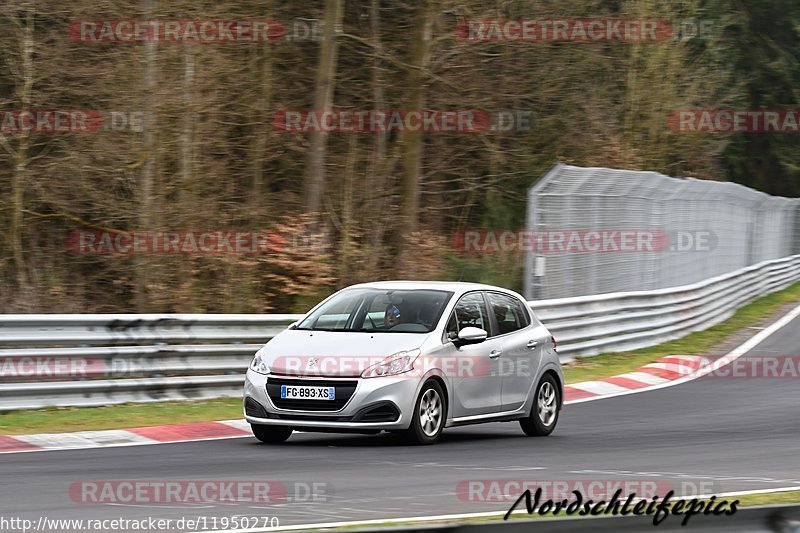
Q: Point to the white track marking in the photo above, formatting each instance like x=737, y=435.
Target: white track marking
x=598, y=387
x=643, y=377
x=114, y=436
x=241, y=425
x=672, y=367
x=60, y=441
x=121, y=445
x=731, y=356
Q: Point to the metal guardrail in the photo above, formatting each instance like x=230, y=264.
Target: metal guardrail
x=109, y=359
x=34, y=330
x=90, y=360
x=590, y=325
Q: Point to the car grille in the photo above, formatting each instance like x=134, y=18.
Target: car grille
x=344, y=390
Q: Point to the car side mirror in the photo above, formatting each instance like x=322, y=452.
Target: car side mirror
x=293, y=325
x=470, y=335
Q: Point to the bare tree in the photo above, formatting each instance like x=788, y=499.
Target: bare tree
x=262, y=106
x=147, y=209
x=416, y=82
x=314, y=184
x=22, y=22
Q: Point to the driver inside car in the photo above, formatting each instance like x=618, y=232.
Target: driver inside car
x=391, y=317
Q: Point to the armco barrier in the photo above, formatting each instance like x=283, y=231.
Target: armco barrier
x=140, y=358
x=590, y=325
x=144, y=354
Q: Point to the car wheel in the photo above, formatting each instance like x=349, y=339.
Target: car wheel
x=271, y=434
x=544, y=413
x=427, y=420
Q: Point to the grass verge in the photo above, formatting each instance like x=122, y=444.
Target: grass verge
x=65, y=419
x=697, y=343
x=58, y=420
x=772, y=498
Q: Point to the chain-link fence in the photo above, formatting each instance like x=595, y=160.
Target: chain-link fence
x=597, y=230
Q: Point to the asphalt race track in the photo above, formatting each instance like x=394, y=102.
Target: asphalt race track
x=720, y=434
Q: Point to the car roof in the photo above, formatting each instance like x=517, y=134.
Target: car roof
x=457, y=287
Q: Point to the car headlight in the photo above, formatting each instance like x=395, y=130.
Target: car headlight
x=391, y=366
x=258, y=364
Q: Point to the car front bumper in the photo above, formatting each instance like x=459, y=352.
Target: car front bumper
x=388, y=393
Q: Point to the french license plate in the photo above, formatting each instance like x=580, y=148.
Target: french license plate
x=291, y=392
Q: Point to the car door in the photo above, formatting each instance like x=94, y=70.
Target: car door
x=473, y=368
x=521, y=344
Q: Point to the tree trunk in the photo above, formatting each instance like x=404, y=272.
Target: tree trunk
x=323, y=100
x=187, y=134
x=260, y=141
x=376, y=199
x=21, y=154
x=146, y=214
x=346, y=246
x=412, y=142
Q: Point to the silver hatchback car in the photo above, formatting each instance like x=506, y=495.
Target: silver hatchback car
x=408, y=357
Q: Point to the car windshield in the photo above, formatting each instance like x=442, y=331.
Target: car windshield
x=379, y=311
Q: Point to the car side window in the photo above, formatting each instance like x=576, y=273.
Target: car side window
x=508, y=313
x=470, y=311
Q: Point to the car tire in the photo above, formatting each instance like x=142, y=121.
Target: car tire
x=545, y=409
x=271, y=434
x=429, y=415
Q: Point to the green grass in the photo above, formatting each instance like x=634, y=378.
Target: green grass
x=65, y=419
x=750, y=500
x=58, y=420
x=697, y=343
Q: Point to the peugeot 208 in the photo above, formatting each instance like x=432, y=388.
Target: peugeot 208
x=409, y=357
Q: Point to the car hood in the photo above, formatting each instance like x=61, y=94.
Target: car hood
x=334, y=353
